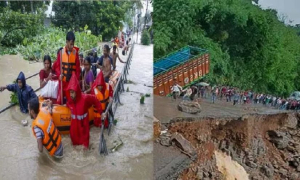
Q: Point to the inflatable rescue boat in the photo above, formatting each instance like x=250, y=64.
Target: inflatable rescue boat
x=61, y=114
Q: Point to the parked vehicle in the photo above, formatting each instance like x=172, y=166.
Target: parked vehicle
x=186, y=66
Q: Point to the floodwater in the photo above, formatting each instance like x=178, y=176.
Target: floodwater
x=20, y=158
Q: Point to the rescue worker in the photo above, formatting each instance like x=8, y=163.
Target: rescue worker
x=79, y=104
x=24, y=92
x=68, y=57
x=104, y=93
x=44, y=129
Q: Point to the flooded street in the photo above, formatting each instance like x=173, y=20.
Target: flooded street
x=133, y=160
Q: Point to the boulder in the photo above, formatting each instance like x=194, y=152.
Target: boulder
x=189, y=107
x=156, y=128
x=280, y=139
x=184, y=145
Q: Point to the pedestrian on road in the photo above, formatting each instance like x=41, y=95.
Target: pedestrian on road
x=214, y=93
x=236, y=98
x=176, y=89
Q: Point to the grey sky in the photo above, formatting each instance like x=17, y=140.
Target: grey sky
x=289, y=8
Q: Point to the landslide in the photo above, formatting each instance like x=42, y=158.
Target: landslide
x=265, y=146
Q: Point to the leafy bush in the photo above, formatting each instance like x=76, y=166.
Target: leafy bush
x=14, y=97
x=142, y=100
x=6, y=50
x=15, y=26
x=145, y=38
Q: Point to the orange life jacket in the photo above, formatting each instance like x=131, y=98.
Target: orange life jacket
x=68, y=63
x=52, y=138
x=103, y=99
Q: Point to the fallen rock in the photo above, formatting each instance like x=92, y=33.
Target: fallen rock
x=294, y=176
x=280, y=139
x=184, y=145
x=156, y=128
x=251, y=164
x=200, y=174
x=291, y=149
x=189, y=107
x=298, y=168
x=291, y=121
x=244, y=118
x=268, y=170
x=165, y=140
x=283, y=172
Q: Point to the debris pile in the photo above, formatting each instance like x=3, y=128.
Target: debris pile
x=266, y=146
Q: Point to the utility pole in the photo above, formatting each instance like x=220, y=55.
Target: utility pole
x=146, y=14
x=31, y=5
x=138, y=21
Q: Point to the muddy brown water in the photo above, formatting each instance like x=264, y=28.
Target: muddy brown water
x=20, y=158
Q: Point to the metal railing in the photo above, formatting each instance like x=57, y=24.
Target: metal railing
x=112, y=106
x=119, y=88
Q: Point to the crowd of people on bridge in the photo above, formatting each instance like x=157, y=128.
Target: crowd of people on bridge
x=79, y=87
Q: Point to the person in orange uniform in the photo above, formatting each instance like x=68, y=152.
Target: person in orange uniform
x=104, y=93
x=117, y=41
x=44, y=129
x=79, y=104
x=67, y=62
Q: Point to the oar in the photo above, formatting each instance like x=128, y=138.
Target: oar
x=4, y=109
x=13, y=104
x=32, y=76
x=61, y=82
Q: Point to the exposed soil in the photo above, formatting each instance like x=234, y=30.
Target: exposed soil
x=266, y=146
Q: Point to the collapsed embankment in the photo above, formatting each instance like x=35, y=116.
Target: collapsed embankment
x=265, y=146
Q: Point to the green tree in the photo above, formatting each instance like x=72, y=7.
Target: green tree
x=25, y=6
x=15, y=26
x=249, y=47
x=102, y=17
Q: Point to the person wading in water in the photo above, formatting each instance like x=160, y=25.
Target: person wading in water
x=79, y=104
x=24, y=92
x=105, y=63
x=44, y=129
x=114, y=56
x=104, y=93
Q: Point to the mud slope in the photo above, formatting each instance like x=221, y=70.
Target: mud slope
x=266, y=146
